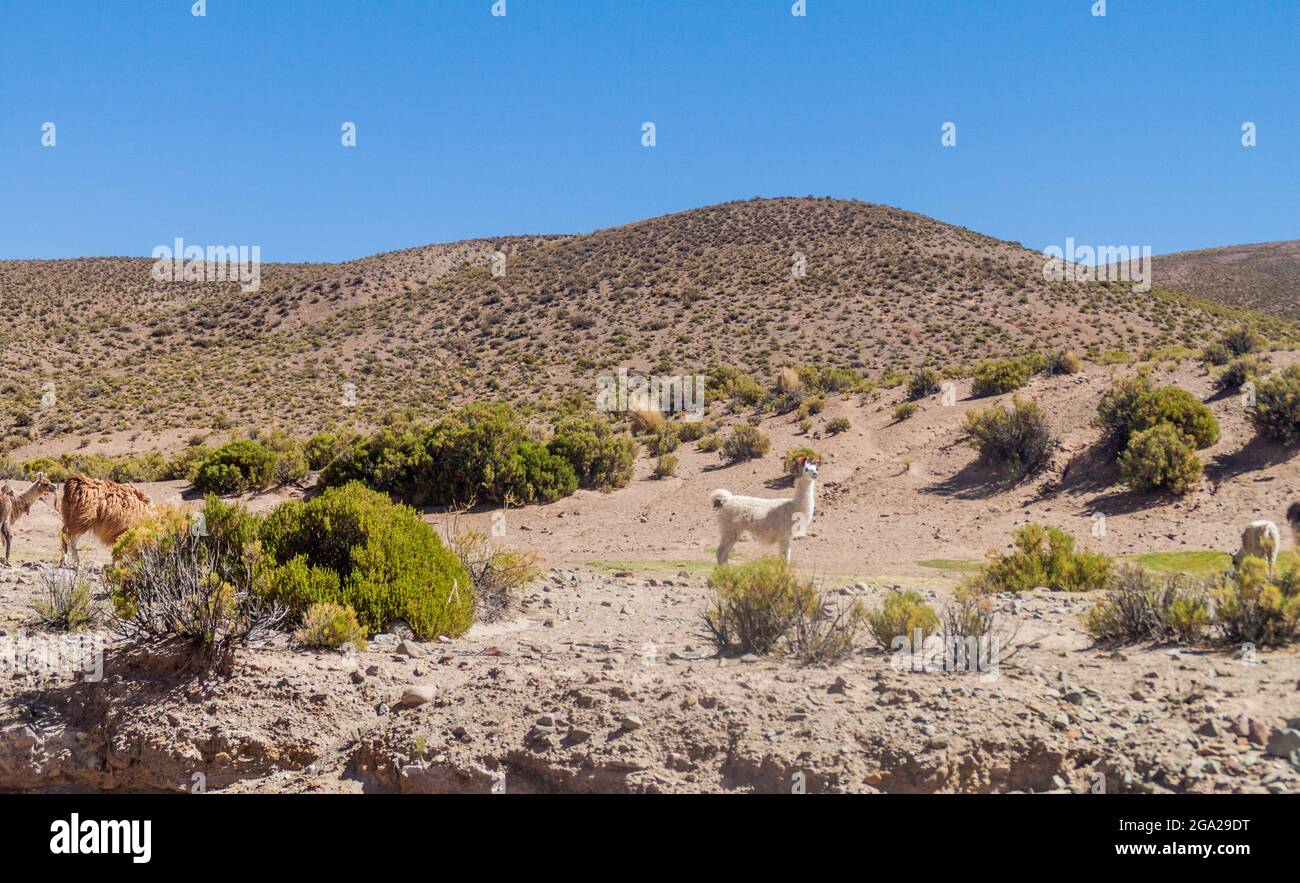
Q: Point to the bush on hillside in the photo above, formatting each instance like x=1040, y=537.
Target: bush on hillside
x=1016, y=439
x=1252, y=607
x=746, y=442
x=353, y=546
x=1179, y=409
x=1117, y=410
x=1242, y=340
x=900, y=617
x=995, y=377
x=601, y=459
x=1160, y=458
x=1237, y=373
x=923, y=382
x=1063, y=362
x=1137, y=608
x=1276, y=413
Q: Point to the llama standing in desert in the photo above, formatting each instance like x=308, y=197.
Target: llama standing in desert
x=774, y=522
x=14, y=507
x=1260, y=539
x=105, y=509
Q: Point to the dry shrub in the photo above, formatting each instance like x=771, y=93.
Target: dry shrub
x=756, y=605
x=331, y=626
x=499, y=575
x=66, y=603
x=646, y=421
x=829, y=632
x=1137, y=608
x=745, y=443
x=190, y=591
x=1251, y=607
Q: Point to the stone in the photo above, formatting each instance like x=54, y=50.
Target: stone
x=1282, y=742
x=417, y=695
x=358, y=676
x=410, y=648
x=1210, y=729
x=1061, y=721
x=631, y=722
x=402, y=629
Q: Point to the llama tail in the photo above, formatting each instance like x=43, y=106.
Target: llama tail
x=720, y=498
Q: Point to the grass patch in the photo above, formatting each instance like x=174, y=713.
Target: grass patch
x=961, y=565
x=1194, y=563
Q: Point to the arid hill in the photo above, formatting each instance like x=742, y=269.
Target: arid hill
x=755, y=284
x=1263, y=277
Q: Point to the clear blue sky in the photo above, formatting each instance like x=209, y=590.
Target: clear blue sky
x=226, y=129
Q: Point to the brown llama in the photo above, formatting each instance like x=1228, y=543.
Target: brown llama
x=14, y=507
x=102, y=508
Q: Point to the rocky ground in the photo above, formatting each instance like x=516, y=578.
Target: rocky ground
x=603, y=683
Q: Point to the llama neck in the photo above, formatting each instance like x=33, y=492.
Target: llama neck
x=803, y=494
x=24, y=501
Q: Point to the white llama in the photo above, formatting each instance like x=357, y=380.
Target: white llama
x=774, y=522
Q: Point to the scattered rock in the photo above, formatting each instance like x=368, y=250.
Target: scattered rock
x=417, y=695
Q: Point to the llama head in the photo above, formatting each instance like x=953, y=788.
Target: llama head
x=44, y=484
x=807, y=468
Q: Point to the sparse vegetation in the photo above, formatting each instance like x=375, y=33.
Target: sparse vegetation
x=923, y=382
x=1160, y=458
x=998, y=376
x=1138, y=607
x=499, y=575
x=65, y=603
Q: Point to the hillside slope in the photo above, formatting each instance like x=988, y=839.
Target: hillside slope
x=881, y=289
x=1263, y=277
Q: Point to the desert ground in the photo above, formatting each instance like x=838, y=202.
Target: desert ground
x=603, y=680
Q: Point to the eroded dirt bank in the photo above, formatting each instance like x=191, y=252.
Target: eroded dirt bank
x=604, y=684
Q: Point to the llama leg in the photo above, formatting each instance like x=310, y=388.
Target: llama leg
x=8, y=535
x=785, y=548
x=724, y=547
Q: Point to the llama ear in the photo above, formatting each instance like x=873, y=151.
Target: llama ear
x=799, y=460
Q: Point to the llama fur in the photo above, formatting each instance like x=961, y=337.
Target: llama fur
x=13, y=507
x=104, y=509
x=1260, y=539
x=772, y=522
x=1293, y=519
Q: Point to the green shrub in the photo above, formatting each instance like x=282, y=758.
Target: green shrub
x=1242, y=340
x=904, y=411
x=902, y=614
x=352, y=546
x=995, y=377
x=1135, y=608
x=65, y=603
x=1181, y=410
x=756, y=605
x=746, y=442
x=235, y=468
x=330, y=626
x=663, y=441
x=1216, y=354
x=1160, y=458
x=923, y=382
x=601, y=459
x=838, y=425
x=710, y=443
x=1045, y=557
x=499, y=575
x=534, y=474
x=1117, y=410
x=692, y=430
x=1276, y=413
x=1249, y=606
x=1015, y=439
x=666, y=466
x=1237, y=373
